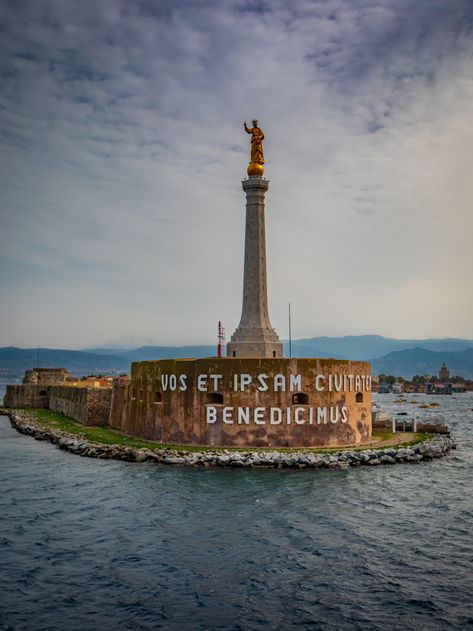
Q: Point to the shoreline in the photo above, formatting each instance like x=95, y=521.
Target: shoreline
x=436, y=447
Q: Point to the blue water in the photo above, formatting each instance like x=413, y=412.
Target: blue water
x=88, y=544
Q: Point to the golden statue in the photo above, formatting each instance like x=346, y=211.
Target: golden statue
x=257, y=157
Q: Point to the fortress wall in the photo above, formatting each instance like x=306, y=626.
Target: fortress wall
x=90, y=406
x=199, y=401
x=26, y=396
x=69, y=401
x=118, y=405
x=99, y=401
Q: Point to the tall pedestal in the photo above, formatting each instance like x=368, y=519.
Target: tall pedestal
x=255, y=337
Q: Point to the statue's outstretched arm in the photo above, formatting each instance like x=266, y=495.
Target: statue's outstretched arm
x=246, y=128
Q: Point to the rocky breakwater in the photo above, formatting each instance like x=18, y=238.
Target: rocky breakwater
x=435, y=447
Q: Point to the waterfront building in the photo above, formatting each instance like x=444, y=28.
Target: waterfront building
x=444, y=373
x=397, y=387
x=46, y=376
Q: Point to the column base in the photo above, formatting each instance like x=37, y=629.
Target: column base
x=254, y=349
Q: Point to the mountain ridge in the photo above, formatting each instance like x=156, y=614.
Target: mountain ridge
x=405, y=362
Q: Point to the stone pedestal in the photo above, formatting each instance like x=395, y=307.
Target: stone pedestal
x=255, y=337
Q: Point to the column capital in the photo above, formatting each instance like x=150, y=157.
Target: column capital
x=255, y=182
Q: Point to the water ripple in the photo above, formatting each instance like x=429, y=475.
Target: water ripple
x=92, y=544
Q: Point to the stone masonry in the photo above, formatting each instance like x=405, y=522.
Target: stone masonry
x=255, y=337
x=90, y=406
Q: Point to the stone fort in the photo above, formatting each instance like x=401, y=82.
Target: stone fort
x=253, y=397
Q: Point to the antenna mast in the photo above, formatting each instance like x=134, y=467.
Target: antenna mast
x=221, y=339
x=290, y=333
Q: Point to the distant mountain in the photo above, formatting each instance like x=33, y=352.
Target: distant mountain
x=364, y=347
x=168, y=352
x=157, y=352
x=399, y=357
x=301, y=348
x=14, y=361
x=358, y=347
x=421, y=361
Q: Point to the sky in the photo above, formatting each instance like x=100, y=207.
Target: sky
x=122, y=153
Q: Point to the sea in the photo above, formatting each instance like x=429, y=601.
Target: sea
x=91, y=544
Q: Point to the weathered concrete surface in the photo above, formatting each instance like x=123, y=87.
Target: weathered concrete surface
x=26, y=395
x=181, y=417
x=255, y=337
x=46, y=376
x=90, y=406
x=118, y=410
x=436, y=447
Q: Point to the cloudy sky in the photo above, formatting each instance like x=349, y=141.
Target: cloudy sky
x=122, y=155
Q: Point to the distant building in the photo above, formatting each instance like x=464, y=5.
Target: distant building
x=384, y=388
x=45, y=376
x=438, y=388
x=95, y=381
x=444, y=372
x=397, y=387
x=87, y=400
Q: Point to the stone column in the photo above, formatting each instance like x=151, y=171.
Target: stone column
x=255, y=337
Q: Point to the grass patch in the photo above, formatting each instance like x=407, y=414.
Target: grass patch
x=107, y=436
x=95, y=434
x=419, y=437
x=383, y=435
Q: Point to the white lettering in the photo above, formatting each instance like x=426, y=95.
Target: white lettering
x=245, y=380
x=321, y=415
x=295, y=383
x=182, y=383
x=211, y=414
x=279, y=383
x=227, y=416
x=263, y=383
x=202, y=383
x=344, y=414
x=258, y=417
x=333, y=416
x=318, y=379
x=215, y=379
x=169, y=382
x=273, y=413
x=338, y=382
x=357, y=383
x=244, y=416
x=297, y=419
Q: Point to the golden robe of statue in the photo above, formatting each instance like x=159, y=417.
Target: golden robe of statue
x=257, y=137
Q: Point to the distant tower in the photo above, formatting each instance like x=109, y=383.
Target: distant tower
x=221, y=339
x=444, y=372
x=255, y=337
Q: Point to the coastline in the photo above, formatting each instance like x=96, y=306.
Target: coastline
x=437, y=446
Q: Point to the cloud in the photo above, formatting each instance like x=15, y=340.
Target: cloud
x=122, y=155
